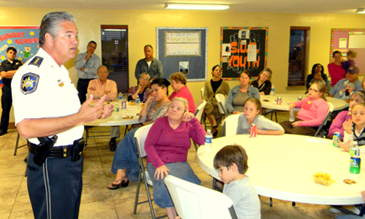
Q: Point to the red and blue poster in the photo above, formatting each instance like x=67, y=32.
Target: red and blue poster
x=23, y=38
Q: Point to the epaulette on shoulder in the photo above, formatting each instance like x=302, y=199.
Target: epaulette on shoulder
x=37, y=61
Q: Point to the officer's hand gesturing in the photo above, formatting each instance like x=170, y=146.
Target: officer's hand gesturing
x=90, y=113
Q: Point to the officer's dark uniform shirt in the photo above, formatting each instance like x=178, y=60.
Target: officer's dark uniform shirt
x=8, y=66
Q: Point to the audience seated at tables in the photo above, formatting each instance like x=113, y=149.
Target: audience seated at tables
x=263, y=83
x=240, y=93
x=337, y=124
x=352, y=76
x=251, y=115
x=215, y=86
x=313, y=110
x=142, y=90
x=231, y=163
x=167, y=145
x=125, y=163
x=318, y=74
x=178, y=84
x=335, y=68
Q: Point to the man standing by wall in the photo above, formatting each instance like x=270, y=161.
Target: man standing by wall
x=7, y=71
x=46, y=104
x=87, y=65
x=149, y=64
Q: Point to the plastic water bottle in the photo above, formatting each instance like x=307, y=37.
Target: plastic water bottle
x=291, y=116
x=273, y=90
x=138, y=101
x=120, y=96
x=208, y=141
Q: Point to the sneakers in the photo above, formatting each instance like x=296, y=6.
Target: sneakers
x=354, y=209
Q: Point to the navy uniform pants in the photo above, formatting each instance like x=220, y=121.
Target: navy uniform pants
x=82, y=85
x=55, y=187
x=6, y=102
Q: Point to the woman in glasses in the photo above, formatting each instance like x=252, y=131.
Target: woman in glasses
x=313, y=110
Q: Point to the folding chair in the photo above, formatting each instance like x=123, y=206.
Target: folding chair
x=221, y=99
x=17, y=145
x=195, y=201
x=230, y=124
x=140, y=137
x=320, y=129
x=198, y=114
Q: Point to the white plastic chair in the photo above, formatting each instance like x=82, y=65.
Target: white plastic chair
x=230, y=124
x=140, y=137
x=330, y=110
x=221, y=99
x=202, y=92
x=200, y=110
x=196, y=202
x=198, y=114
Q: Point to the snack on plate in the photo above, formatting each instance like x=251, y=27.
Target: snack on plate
x=323, y=178
x=349, y=181
x=132, y=103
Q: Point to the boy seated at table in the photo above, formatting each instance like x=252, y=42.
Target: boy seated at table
x=231, y=162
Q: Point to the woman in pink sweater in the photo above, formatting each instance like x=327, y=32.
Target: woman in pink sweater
x=167, y=145
x=313, y=110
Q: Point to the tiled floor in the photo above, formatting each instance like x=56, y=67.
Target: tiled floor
x=98, y=201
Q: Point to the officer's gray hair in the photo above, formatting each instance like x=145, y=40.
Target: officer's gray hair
x=145, y=73
x=51, y=24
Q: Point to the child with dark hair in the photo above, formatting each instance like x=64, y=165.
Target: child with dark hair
x=231, y=162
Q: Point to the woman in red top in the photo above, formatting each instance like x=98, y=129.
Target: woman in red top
x=335, y=68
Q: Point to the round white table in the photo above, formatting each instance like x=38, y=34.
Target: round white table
x=282, y=167
x=269, y=102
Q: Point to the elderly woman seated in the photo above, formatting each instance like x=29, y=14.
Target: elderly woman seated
x=125, y=163
x=167, y=145
x=142, y=90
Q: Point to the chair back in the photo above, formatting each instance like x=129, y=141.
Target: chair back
x=140, y=137
x=202, y=92
x=221, y=99
x=195, y=201
x=199, y=110
x=231, y=123
x=330, y=110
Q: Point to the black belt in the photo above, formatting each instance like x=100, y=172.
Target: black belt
x=56, y=152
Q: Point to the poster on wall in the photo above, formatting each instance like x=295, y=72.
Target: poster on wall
x=345, y=39
x=23, y=38
x=183, y=49
x=243, y=48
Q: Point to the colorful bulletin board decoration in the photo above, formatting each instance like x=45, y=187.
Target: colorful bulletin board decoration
x=23, y=38
x=183, y=49
x=345, y=39
x=243, y=48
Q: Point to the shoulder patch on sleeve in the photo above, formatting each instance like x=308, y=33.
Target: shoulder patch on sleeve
x=29, y=83
x=37, y=61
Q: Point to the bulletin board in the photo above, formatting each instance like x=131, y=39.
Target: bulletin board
x=23, y=38
x=182, y=49
x=243, y=48
x=344, y=40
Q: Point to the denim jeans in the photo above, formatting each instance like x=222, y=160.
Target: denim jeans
x=161, y=194
x=125, y=157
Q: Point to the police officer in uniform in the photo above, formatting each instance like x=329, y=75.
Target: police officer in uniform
x=7, y=71
x=48, y=113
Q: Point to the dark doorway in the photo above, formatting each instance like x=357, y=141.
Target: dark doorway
x=114, y=47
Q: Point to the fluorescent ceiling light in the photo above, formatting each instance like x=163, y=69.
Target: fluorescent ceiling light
x=196, y=6
x=123, y=30
x=360, y=10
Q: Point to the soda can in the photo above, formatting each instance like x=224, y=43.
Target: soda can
x=355, y=164
x=300, y=98
x=116, y=109
x=278, y=101
x=336, y=138
x=355, y=151
x=124, y=104
x=253, y=133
